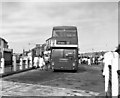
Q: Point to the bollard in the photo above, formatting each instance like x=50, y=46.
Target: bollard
x=2, y=65
x=26, y=63
x=30, y=62
x=21, y=64
x=115, y=84
x=14, y=64
x=79, y=61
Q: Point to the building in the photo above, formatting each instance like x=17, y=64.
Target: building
x=5, y=52
x=3, y=44
x=50, y=42
x=38, y=50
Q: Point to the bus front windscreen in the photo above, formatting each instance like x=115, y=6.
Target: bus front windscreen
x=64, y=53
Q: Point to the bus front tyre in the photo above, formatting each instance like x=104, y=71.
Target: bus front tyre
x=74, y=70
x=54, y=70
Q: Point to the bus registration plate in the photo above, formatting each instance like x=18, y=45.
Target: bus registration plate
x=63, y=60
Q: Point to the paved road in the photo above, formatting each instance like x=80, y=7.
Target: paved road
x=87, y=81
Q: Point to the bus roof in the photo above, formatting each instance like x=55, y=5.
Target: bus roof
x=65, y=28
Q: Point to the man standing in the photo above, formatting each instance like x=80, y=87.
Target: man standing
x=41, y=62
x=35, y=62
x=46, y=59
x=89, y=61
x=111, y=58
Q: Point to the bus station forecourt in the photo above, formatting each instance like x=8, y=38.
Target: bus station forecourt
x=62, y=54
x=87, y=81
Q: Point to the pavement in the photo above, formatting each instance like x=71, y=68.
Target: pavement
x=86, y=82
x=9, y=71
x=24, y=89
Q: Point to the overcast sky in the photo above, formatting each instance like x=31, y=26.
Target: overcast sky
x=32, y=22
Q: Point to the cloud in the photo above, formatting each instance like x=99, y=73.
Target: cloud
x=25, y=22
x=61, y=1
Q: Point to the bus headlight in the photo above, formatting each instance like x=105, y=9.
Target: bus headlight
x=73, y=64
x=52, y=63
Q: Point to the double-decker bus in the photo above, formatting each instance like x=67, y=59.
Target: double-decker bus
x=64, y=48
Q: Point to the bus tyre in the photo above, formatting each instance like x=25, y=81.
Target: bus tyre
x=54, y=70
x=74, y=70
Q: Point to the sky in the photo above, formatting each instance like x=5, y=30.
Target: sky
x=32, y=22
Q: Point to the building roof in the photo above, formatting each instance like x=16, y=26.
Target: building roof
x=3, y=40
x=48, y=38
x=65, y=28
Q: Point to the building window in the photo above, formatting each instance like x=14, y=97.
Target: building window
x=0, y=42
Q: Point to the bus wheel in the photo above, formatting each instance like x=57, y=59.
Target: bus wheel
x=74, y=71
x=54, y=70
